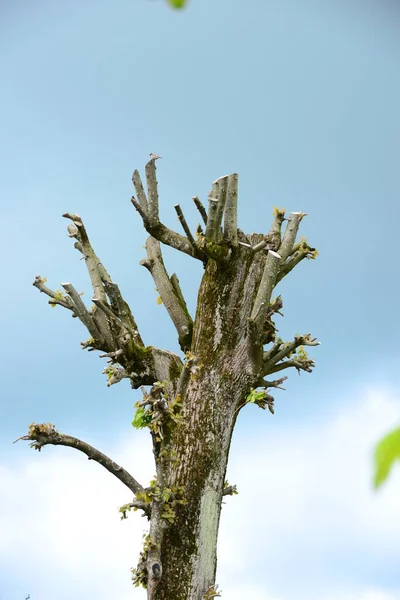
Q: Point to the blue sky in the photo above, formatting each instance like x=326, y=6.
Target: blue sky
x=301, y=99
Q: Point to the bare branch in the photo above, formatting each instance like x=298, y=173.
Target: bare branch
x=56, y=297
x=211, y=229
x=274, y=237
x=230, y=490
x=107, y=310
x=257, y=247
x=289, y=237
x=122, y=310
x=81, y=311
x=222, y=185
x=114, y=375
x=165, y=235
x=230, y=217
x=201, y=209
x=299, y=364
x=44, y=434
x=301, y=251
x=141, y=212
x=137, y=182
x=172, y=301
x=261, y=303
x=185, y=227
x=177, y=288
x=112, y=355
x=96, y=270
x=271, y=362
x=135, y=505
x=277, y=383
x=152, y=192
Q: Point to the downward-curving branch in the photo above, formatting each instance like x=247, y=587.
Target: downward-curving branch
x=44, y=434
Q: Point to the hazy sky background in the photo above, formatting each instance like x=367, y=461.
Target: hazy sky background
x=302, y=100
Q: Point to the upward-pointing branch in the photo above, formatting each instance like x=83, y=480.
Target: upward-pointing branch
x=147, y=207
x=264, y=293
x=289, y=238
x=230, y=217
x=170, y=292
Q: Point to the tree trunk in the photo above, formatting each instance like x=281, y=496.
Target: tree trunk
x=221, y=372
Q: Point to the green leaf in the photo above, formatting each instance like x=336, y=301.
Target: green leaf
x=177, y=3
x=141, y=418
x=386, y=452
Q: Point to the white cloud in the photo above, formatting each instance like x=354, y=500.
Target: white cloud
x=306, y=518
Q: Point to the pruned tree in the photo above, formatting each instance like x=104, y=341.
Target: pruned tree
x=190, y=402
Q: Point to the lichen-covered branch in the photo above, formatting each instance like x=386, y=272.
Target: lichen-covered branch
x=44, y=434
x=110, y=322
x=135, y=505
x=81, y=311
x=172, y=300
x=221, y=191
x=230, y=217
x=96, y=270
x=274, y=238
x=267, y=284
x=152, y=192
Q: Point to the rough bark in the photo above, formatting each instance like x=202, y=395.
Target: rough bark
x=192, y=404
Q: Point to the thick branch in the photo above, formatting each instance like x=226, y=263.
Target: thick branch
x=122, y=310
x=211, y=229
x=152, y=192
x=264, y=293
x=289, y=237
x=222, y=185
x=81, y=311
x=137, y=182
x=230, y=217
x=96, y=270
x=165, y=235
x=274, y=237
x=45, y=433
x=172, y=301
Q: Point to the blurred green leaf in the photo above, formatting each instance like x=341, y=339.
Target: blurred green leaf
x=141, y=419
x=177, y=3
x=386, y=452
